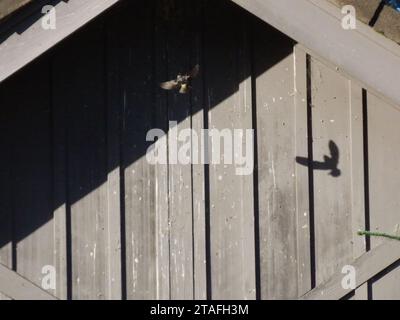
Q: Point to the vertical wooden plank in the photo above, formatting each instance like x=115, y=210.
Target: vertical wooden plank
x=274, y=67
x=33, y=228
x=332, y=188
x=383, y=143
x=198, y=169
x=161, y=170
x=133, y=67
x=180, y=180
x=302, y=178
x=113, y=226
x=7, y=128
x=79, y=88
x=60, y=197
x=231, y=195
x=357, y=177
x=384, y=157
x=357, y=167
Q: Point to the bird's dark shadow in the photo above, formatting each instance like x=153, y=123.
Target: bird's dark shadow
x=330, y=163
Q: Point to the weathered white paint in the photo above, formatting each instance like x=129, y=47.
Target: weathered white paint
x=20, y=49
x=363, y=53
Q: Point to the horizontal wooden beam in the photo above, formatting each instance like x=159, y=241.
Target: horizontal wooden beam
x=366, y=266
x=17, y=287
x=317, y=24
x=20, y=48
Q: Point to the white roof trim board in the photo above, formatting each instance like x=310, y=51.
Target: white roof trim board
x=20, y=49
x=362, y=53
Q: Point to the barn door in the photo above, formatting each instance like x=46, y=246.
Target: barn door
x=353, y=182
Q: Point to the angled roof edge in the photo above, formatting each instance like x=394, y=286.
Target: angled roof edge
x=382, y=15
x=28, y=40
x=362, y=53
x=8, y=7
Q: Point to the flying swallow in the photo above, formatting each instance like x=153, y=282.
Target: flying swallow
x=182, y=81
x=330, y=163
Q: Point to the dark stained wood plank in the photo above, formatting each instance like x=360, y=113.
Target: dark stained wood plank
x=115, y=215
x=161, y=202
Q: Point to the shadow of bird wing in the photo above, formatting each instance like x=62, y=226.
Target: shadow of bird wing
x=169, y=85
x=317, y=165
x=302, y=161
x=194, y=72
x=333, y=148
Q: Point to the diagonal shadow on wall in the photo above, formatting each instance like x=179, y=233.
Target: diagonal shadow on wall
x=83, y=109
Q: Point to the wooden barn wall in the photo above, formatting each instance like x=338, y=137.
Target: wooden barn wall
x=77, y=193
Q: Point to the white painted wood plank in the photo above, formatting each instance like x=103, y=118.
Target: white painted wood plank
x=349, y=50
x=20, y=49
x=113, y=224
x=357, y=177
x=132, y=64
x=366, y=266
x=302, y=179
x=10, y=6
x=332, y=184
x=198, y=168
x=161, y=171
x=231, y=195
x=180, y=40
x=357, y=167
x=276, y=145
x=384, y=172
x=199, y=228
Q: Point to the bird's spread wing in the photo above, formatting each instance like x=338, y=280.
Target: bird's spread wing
x=195, y=71
x=169, y=85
